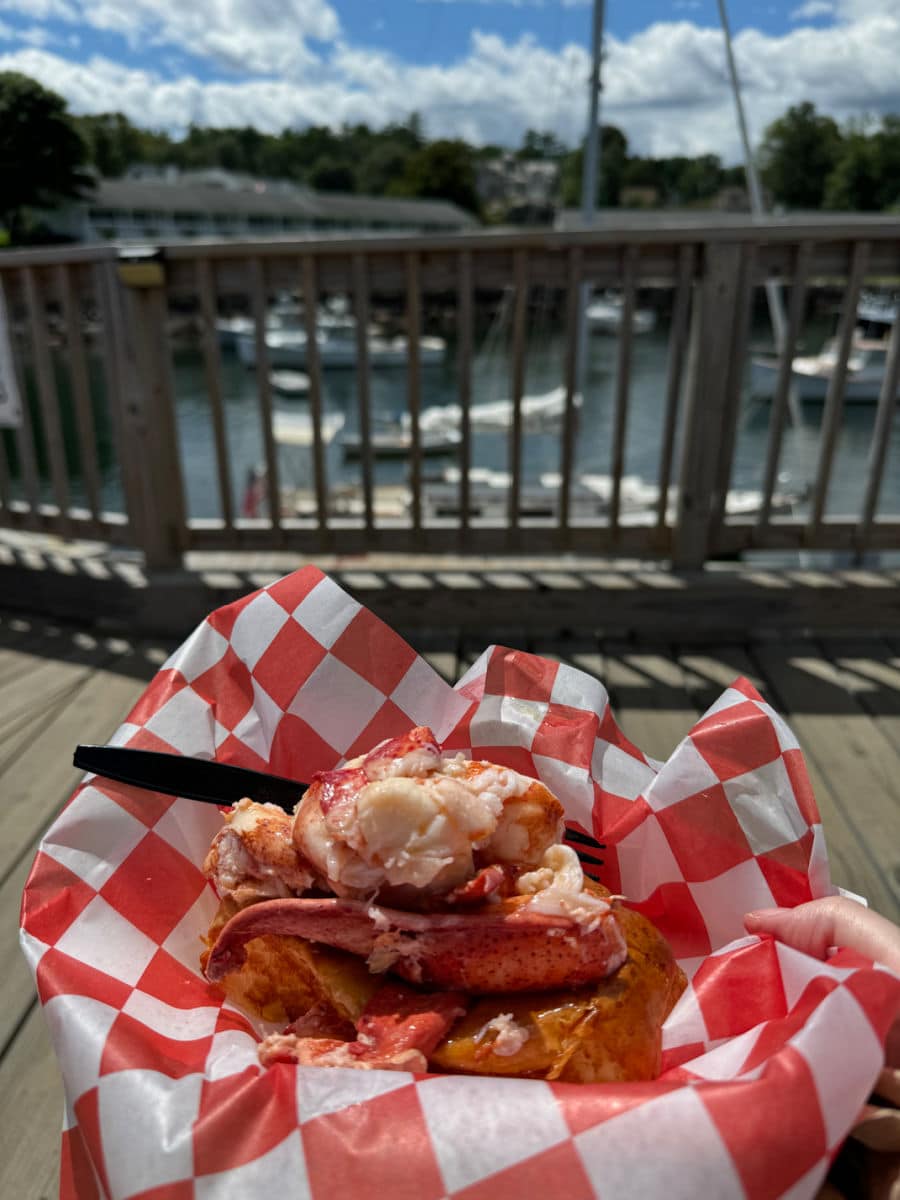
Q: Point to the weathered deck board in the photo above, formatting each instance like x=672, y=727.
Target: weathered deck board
x=855, y=767
x=37, y=782
x=32, y=1114
x=16, y=988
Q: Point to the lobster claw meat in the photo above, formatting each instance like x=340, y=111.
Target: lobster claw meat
x=507, y=946
x=397, y=1031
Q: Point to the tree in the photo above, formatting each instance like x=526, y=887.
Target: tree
x=42, y=155
x=855, y=182
x=113, y=143
x=613, y=157
x=441, y=170
x=536, y=144
x=797, y=154
x=328, y=174
x=385, y=163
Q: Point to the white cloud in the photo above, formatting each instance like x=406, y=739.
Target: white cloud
x=812, y=9
x=666, y=87
x=42, y=10
x=267, y=37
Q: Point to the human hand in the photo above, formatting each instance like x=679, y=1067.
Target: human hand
x=818, y=925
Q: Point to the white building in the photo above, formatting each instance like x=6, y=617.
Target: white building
x=164, y=205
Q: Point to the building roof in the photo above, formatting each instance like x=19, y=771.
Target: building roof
x=272, y=199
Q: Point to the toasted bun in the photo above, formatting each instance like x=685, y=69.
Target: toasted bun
x=605, y=1032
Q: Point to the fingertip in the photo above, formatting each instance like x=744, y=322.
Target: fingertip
x=761, y=917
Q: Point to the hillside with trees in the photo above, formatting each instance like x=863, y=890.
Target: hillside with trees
x=807, y=161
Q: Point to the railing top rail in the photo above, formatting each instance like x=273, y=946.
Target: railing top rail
x=667, y=232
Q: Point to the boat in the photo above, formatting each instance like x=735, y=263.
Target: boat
x=539, y=413
x=604, y=315
x=285, y=313
x=289, y=383
x=337, y=348
x=811, y=374
x=398, y=443
x=296, y=428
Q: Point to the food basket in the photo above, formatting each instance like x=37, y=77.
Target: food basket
x=768, y=1057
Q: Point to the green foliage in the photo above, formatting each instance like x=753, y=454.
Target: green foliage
x=541, y=145
x=613, y=157
x=797, y=155
x=806, y=160
x=42, y=155
x=329, y=174
x=441, y=170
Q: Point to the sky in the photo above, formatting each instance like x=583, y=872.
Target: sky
x=485, y=70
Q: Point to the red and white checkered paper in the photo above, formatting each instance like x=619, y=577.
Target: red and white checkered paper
x=768, y=1057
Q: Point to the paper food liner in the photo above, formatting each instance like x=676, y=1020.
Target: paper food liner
x=768, y=1057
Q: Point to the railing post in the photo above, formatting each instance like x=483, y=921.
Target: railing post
x=713, y=317
x=144, y=395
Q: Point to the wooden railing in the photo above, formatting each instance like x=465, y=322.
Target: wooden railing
x=99, y=452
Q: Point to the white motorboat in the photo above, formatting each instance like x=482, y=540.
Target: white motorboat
x=283, y=314
x=337, y=348
x=541, y=412
x=289, y=383
x=604, y=314
x=811, y=374
x=296, y=428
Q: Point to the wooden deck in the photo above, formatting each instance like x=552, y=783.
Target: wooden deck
x=60, y=685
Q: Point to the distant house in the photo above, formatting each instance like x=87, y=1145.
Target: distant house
x=518, y=189
x=162, y=205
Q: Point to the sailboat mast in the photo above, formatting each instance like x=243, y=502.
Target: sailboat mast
x=591, y=161
x=590, y=170
x=773, y=292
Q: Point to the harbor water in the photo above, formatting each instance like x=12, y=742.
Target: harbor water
x=541, y=452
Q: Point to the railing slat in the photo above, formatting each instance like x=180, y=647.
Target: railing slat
x=23, y=435
x=48, y=399
x=570, y=375
x=81, y=391
x=623, y=383
x=364, y=383
x=464, y=366
x=712, y=323
x=779, y=406
x=117, y=369
x=264, y=390
x=314, y=370
x=517, y=382
x=678, y=337
x=414, y=386
x=881, y=434
x=212, y=366
x=834, y=400
x=740, y=335
x=5, y=494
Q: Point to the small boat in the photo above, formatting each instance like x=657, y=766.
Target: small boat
x=811, y=374
x=541, y=412
x=397, y=443
x=337, y=348
x=229, y=329
x=289, y=383
x=296, y=428
x=604, y=315
x=283, y=314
